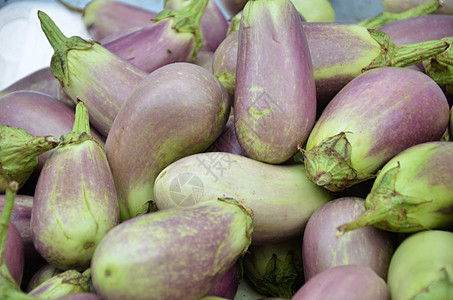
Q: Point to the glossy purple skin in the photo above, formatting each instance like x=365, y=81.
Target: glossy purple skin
x=228, y=285
x=403, y=5
x=108, y=17
x=275, y=93
x=348, y=282
x=14, y=253
x=227, y=141
x=81, y=296
x=153, y=46
x=42, y=81
x=321, y=249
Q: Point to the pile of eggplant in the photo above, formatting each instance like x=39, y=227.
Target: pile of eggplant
x=265, y=153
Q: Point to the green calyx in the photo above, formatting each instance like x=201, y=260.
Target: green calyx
x=440, y=68
x=187, y=19
x=235, y=23
x=81, y=129
x=61, y=45
x=441, y=288
x=393, y=55
x=19, y=153
x=388, y=17
x=329, y=164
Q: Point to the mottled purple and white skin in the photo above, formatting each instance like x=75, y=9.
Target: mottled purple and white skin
x=227, y=141
x=224, y=62
x=14, y=253
x=173, y=254
x=105, y=17
x=397, y=6
x=42, y=81
x=275, y=95
x=322, y=249
x=178, y=110
x=348, y=282
x=227, y=286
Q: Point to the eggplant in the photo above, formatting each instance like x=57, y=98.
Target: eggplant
x=81, y=296
x=213, y=23
x=349, y=144
x=273, y=113
x=224, y=62
x=64, y=283
x=204, y=59
x=44, y=273
x=281, y=196
x=105, y=17
x=398, y=6
x=450, y=125
x=227, y=141
x=14, y=253
x=347, y=282
x=412, y=192
x=42, y=81
x=173, y=36
x=232, y=7
x=75, y=202
x=321, y=249
x=440, y=69
x=315, y=10
x=227, y=286
x=184, y=250
x=158, y=113
x=89, y=72
x=422, y=266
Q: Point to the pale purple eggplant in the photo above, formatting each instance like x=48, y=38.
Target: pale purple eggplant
x=105, y=17
x=227, y=286
x=173, y=254
x=173, y=36
x=14, y=253
x=81, y=296
x=42, y=81
x=348, y=282
x=321, y=249
x=90, y=73
x=374, y=117
x=213, y=23
x=62, y=284
x=232, y=7
x=44, y=273
x=412, y=192
x=227, y=141
x=178, y=110
x=397, y=6
x=119, y=34
x=224, y=62
x=204, y=59
x=75, y=202
x=275, y=95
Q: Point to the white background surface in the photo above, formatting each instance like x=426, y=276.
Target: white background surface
x=24, y=47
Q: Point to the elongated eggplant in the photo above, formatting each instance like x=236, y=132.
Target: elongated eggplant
x=377, y=115
x=14, y=253
x=178, y=110
x=89, y=72
x=224, y=62
x=75, y=199
x=64, y=283
x=412, y=192
x=403, y=5
x=105, y=17
x=227, y=141
x=281, y=196
x=178, y=253
x=321, y=249
x=348, y=282
x=173, y=36
x=273, y=113
x=422, y=267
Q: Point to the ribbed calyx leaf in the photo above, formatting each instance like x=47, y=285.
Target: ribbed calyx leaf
x=440, y=68
x=19, y=153
x=61, y=45
x=187, y=19
x=329, y=164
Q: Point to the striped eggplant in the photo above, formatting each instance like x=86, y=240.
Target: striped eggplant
x=153, y=128
x=64, y=283
x=179, y=253
x=397, y=6
x=412, y=192
x=90, y=73
x=173, y=36
x=422, y=267
x=105, y=17
x=281, y=196
x=374, y=117
x=224, y=62
x=75, y=200
x=44, y=273
x=273, y=113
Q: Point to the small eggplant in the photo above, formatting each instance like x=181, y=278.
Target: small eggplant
x=75, y=199
x=89, y=72
x=43, y=274
x=14, y=253
x=64, y=283
x=227, y=141
x=224, y=62
x=158, y=114
x=105, y=17
x=397, y=6
x=349, y=144
x=227, y=286
x=172, y=254
x=275, y=95
x=412, y=192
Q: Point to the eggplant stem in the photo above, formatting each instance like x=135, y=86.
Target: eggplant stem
x=369, y=217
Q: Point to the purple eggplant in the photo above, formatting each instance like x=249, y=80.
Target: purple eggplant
x=14, y=253
x=349, y=144
x=348, y=282
x=42, y=81
x=44, y=273
x=75, y=201
x=178, y=253
x=321, y=249
x=204, y=59
x=397, y=6
x=227, y=141
x=224, y=62
x=178, y=110
x=89, y=72
x=105, y=17
x=450, y=125
x=81, y=296
x=275, y=95
x=173, y=36
x=227, y=286
x=62, y=284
